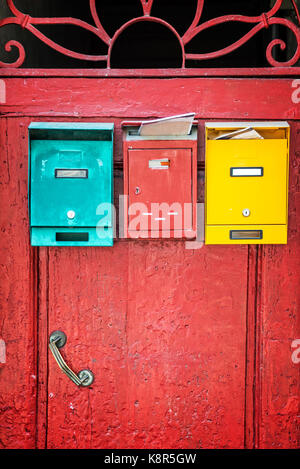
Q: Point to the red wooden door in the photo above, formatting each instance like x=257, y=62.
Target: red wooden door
x=190, y=348
x=165, y=342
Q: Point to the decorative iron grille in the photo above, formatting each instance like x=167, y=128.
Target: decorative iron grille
x=264, y=21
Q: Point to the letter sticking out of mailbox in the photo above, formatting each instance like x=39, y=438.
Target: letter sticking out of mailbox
x=70, y=176
x=160, y=184
x=246, y=182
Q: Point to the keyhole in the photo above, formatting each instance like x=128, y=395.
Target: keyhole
x=137, y=190
x=246, y=212
x=71, y=214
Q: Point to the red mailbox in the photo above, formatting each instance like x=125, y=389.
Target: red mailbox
x=160, y=184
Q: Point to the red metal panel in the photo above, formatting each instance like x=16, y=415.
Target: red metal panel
x=172, y=185
x=177, y=185
x=190, y=348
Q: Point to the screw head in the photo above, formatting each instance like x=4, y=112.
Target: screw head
x=59, y=337
x=86, y=377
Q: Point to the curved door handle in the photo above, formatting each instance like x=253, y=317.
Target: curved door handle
x=56, y=341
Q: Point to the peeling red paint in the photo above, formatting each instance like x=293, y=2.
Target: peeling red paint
x=2, y=351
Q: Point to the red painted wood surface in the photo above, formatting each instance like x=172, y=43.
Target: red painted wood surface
x=190, y=348
x=215, y=98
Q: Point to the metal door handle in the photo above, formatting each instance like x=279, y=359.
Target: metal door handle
x=56, y=341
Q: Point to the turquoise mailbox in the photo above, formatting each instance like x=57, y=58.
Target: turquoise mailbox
x=71, y=184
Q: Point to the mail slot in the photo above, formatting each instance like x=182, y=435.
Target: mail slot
x=160, y=184
x=71, y=184
x=246, y=182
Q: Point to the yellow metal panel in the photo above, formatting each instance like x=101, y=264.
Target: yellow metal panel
x=264, y=196
x=220, y=234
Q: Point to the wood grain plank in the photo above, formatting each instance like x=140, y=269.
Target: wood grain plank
x=209, y=98
x=280, y=378
x=18, y=295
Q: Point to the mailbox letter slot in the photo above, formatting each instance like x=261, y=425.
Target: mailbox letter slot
x=72, y=236
x=163, y=163
x=71, y=173
x=246, y=234
x=246, y=172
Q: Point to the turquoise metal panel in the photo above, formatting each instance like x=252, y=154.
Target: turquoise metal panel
x=71, y=237
x=71, y=183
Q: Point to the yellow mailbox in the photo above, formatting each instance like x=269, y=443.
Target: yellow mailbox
x=246, y=182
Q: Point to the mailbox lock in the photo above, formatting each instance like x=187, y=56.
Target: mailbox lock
x=246, y=212
x=71, y=214
x=137, y=190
